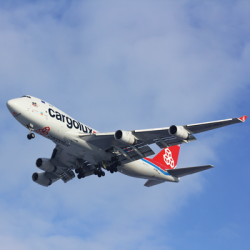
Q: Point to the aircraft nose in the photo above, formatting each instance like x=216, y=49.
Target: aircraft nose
x=12, y=106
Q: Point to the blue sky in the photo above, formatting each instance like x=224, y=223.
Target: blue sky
x=128, y=65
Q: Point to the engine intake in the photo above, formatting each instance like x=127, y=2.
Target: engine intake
x=178, y=131
x=125, y=137
x=41, y=179
x=46, y=165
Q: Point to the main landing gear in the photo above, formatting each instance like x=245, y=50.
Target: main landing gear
x=80, y=173
x=112, y=167
x=114, y=164
x=30, y=135
x=99, y=172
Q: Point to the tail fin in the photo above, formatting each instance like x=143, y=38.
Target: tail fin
x=168, y=157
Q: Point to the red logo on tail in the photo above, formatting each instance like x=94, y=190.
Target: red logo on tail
x=167, y=157
x=243, y=118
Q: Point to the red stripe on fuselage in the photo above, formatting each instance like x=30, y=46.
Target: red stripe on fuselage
x=161, y=166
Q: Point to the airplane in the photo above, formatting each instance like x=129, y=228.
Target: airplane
x=85, y=151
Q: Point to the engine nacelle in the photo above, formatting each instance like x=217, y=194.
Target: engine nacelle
x=41, y=179
x=178, y=131
x=46, y=165
x=125, y=137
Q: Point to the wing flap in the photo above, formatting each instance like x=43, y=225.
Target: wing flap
x=172, y=141
x=180, y=172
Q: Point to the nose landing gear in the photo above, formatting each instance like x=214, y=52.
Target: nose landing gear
x=30, y=135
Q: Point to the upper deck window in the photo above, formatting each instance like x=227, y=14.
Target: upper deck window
x=26, y=96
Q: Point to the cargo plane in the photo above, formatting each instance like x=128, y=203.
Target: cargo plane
x=83, y=151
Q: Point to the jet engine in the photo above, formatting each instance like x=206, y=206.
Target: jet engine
x=178, y=131
x=41, y=179
x=46, y=165
x=125, y=137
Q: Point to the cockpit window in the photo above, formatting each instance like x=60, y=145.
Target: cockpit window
x=26, y=96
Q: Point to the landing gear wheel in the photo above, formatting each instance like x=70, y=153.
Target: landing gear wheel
x=77, y=171
x=30, y=127
x=103, y=173
x=111, y=171
x=115, y=170
x=95, y=172
x=31, y=136
x=99, y=175
x=79, y=176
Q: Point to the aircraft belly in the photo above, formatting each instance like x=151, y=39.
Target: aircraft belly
x=139, y=169
x=71, y=143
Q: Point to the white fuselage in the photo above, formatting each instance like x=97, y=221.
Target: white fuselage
x=63, y=130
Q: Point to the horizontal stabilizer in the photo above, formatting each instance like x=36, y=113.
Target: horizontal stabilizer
x=180, y=172
x=151, y=183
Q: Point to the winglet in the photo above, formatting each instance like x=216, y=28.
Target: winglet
x=243, y=118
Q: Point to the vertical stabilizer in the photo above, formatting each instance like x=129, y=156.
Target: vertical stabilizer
x=168, y=157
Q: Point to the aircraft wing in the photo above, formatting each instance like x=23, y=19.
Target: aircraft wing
x=64, y=163
x=161, y=136
x=126, y=152
x=202, y=127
